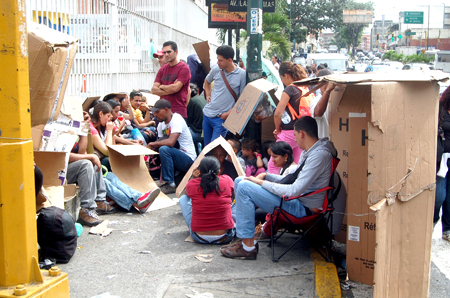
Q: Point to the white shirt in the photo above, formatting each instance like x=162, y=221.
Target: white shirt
x=178, y=125
x=322, y=122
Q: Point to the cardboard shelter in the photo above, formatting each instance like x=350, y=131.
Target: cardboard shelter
x=245, y=106
x=220, y=141
x=384, y=126
x=127, y=162
x=50, y=59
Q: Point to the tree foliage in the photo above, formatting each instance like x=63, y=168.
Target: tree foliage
x=394, y=56
x=276, y=28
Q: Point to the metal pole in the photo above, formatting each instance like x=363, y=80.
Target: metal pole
x=230, y=37
x=238, y=37
x=254, y=29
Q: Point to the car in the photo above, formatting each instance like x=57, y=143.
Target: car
x=418, y=66
x=395, y=64
x=382, y=68
x=299, y=60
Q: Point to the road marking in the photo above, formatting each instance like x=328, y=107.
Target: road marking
x=326, y=278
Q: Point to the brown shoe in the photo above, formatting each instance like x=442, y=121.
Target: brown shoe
x=237, y=251
x=104, y=207
x=239, y=243
x=88, y=217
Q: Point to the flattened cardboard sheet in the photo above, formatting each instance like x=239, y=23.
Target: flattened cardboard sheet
x=202, y=50
x=50, y=163
x=127, y=163
x=220, y=141
x=88, y=101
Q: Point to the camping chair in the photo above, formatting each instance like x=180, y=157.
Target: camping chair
x=281, y=218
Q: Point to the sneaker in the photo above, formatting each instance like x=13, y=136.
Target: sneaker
x=237, y=251
x=147, y=198
x=104, y=207
x=166, y=188
x=88, y=217
x=446, y=236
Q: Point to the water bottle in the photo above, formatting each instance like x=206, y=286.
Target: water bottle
x=285, y=118
x=136, y=135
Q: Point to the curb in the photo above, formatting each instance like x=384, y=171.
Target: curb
x=325, y=277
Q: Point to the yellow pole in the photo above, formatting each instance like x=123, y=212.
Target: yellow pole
x=18, y=239
x=19, y=269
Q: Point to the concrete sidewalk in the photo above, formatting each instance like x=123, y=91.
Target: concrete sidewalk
x=146, y=256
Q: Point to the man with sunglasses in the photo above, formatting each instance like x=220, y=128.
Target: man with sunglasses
x=172, y=80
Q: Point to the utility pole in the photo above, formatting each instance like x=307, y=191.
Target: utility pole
x=254, y=29
x=428, y=30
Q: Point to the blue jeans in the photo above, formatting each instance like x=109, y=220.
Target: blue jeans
x=186, y=209
x=198, y=140
x=172, y=160
x=249, y=194
x=121, y=193
x=212, y=129
x=442, y=200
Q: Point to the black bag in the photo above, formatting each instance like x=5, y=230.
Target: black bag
x=290, y=178
x=57, y=235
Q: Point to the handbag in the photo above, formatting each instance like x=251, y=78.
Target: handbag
x=290, y=178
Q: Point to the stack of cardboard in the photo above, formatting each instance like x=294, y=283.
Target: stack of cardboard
x=384, y=128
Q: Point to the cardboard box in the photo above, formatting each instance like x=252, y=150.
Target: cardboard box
x=247, y=102
x=220, y=141
x=51, y=165
x=202, y=50
x=384, y=128
x=50, y=55
x=127, y=162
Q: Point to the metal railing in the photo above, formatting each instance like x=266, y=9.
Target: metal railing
x=115, y=37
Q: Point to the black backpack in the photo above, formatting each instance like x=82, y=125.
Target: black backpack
x=57, y=235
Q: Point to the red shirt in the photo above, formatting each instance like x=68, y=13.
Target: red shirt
x=167, y=75
x=213, y=212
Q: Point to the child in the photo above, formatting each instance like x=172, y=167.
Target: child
x=226, y=166
x=265, y=151
x=207, y=206
x=253, y=160
x=236, y=145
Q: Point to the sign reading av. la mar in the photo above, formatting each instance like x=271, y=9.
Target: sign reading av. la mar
x=413, y=17
x=241, y=5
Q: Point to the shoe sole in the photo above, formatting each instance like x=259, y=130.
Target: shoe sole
x=150, y=198
x=86, y=223
x=103, y=212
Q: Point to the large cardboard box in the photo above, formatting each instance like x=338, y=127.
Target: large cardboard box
x=50, y=58
x=384, y=128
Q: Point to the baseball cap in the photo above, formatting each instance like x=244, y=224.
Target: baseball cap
x=157, y=54
x=161, y=104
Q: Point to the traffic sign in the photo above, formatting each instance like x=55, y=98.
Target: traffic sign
x=410, y=33
x=413, y=17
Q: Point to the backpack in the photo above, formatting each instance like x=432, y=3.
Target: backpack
x=304, y=104
x=57, y=235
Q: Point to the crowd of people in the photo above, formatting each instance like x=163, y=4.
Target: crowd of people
x=218, y=204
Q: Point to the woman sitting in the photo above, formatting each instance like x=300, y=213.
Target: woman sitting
x=282, y=157
x=102, y=132
x=207, y=206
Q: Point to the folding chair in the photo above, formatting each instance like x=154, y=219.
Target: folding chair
x=280, y=218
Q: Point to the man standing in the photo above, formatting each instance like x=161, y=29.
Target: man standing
x=161, y=59
x=176, y=149
x=172, y=80
x=222, y=100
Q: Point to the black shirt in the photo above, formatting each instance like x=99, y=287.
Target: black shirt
x=446, y=128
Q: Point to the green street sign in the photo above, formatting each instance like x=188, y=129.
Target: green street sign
x=413, y=17
x=410, y=33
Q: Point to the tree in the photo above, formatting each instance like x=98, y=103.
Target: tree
x=276, y=28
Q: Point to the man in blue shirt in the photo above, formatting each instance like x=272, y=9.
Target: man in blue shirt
x=221, y=101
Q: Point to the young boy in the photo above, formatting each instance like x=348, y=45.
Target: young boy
x=236, y=148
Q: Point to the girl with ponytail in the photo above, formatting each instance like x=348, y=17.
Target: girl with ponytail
x=206, y=207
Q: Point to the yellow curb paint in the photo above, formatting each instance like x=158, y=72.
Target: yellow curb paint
x=326, y=278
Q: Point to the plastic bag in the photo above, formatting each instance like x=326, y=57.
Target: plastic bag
x=263, y=110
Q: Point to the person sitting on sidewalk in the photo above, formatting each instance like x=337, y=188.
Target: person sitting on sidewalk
x=313, y=173
x=207, y=206
x=176, y=149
